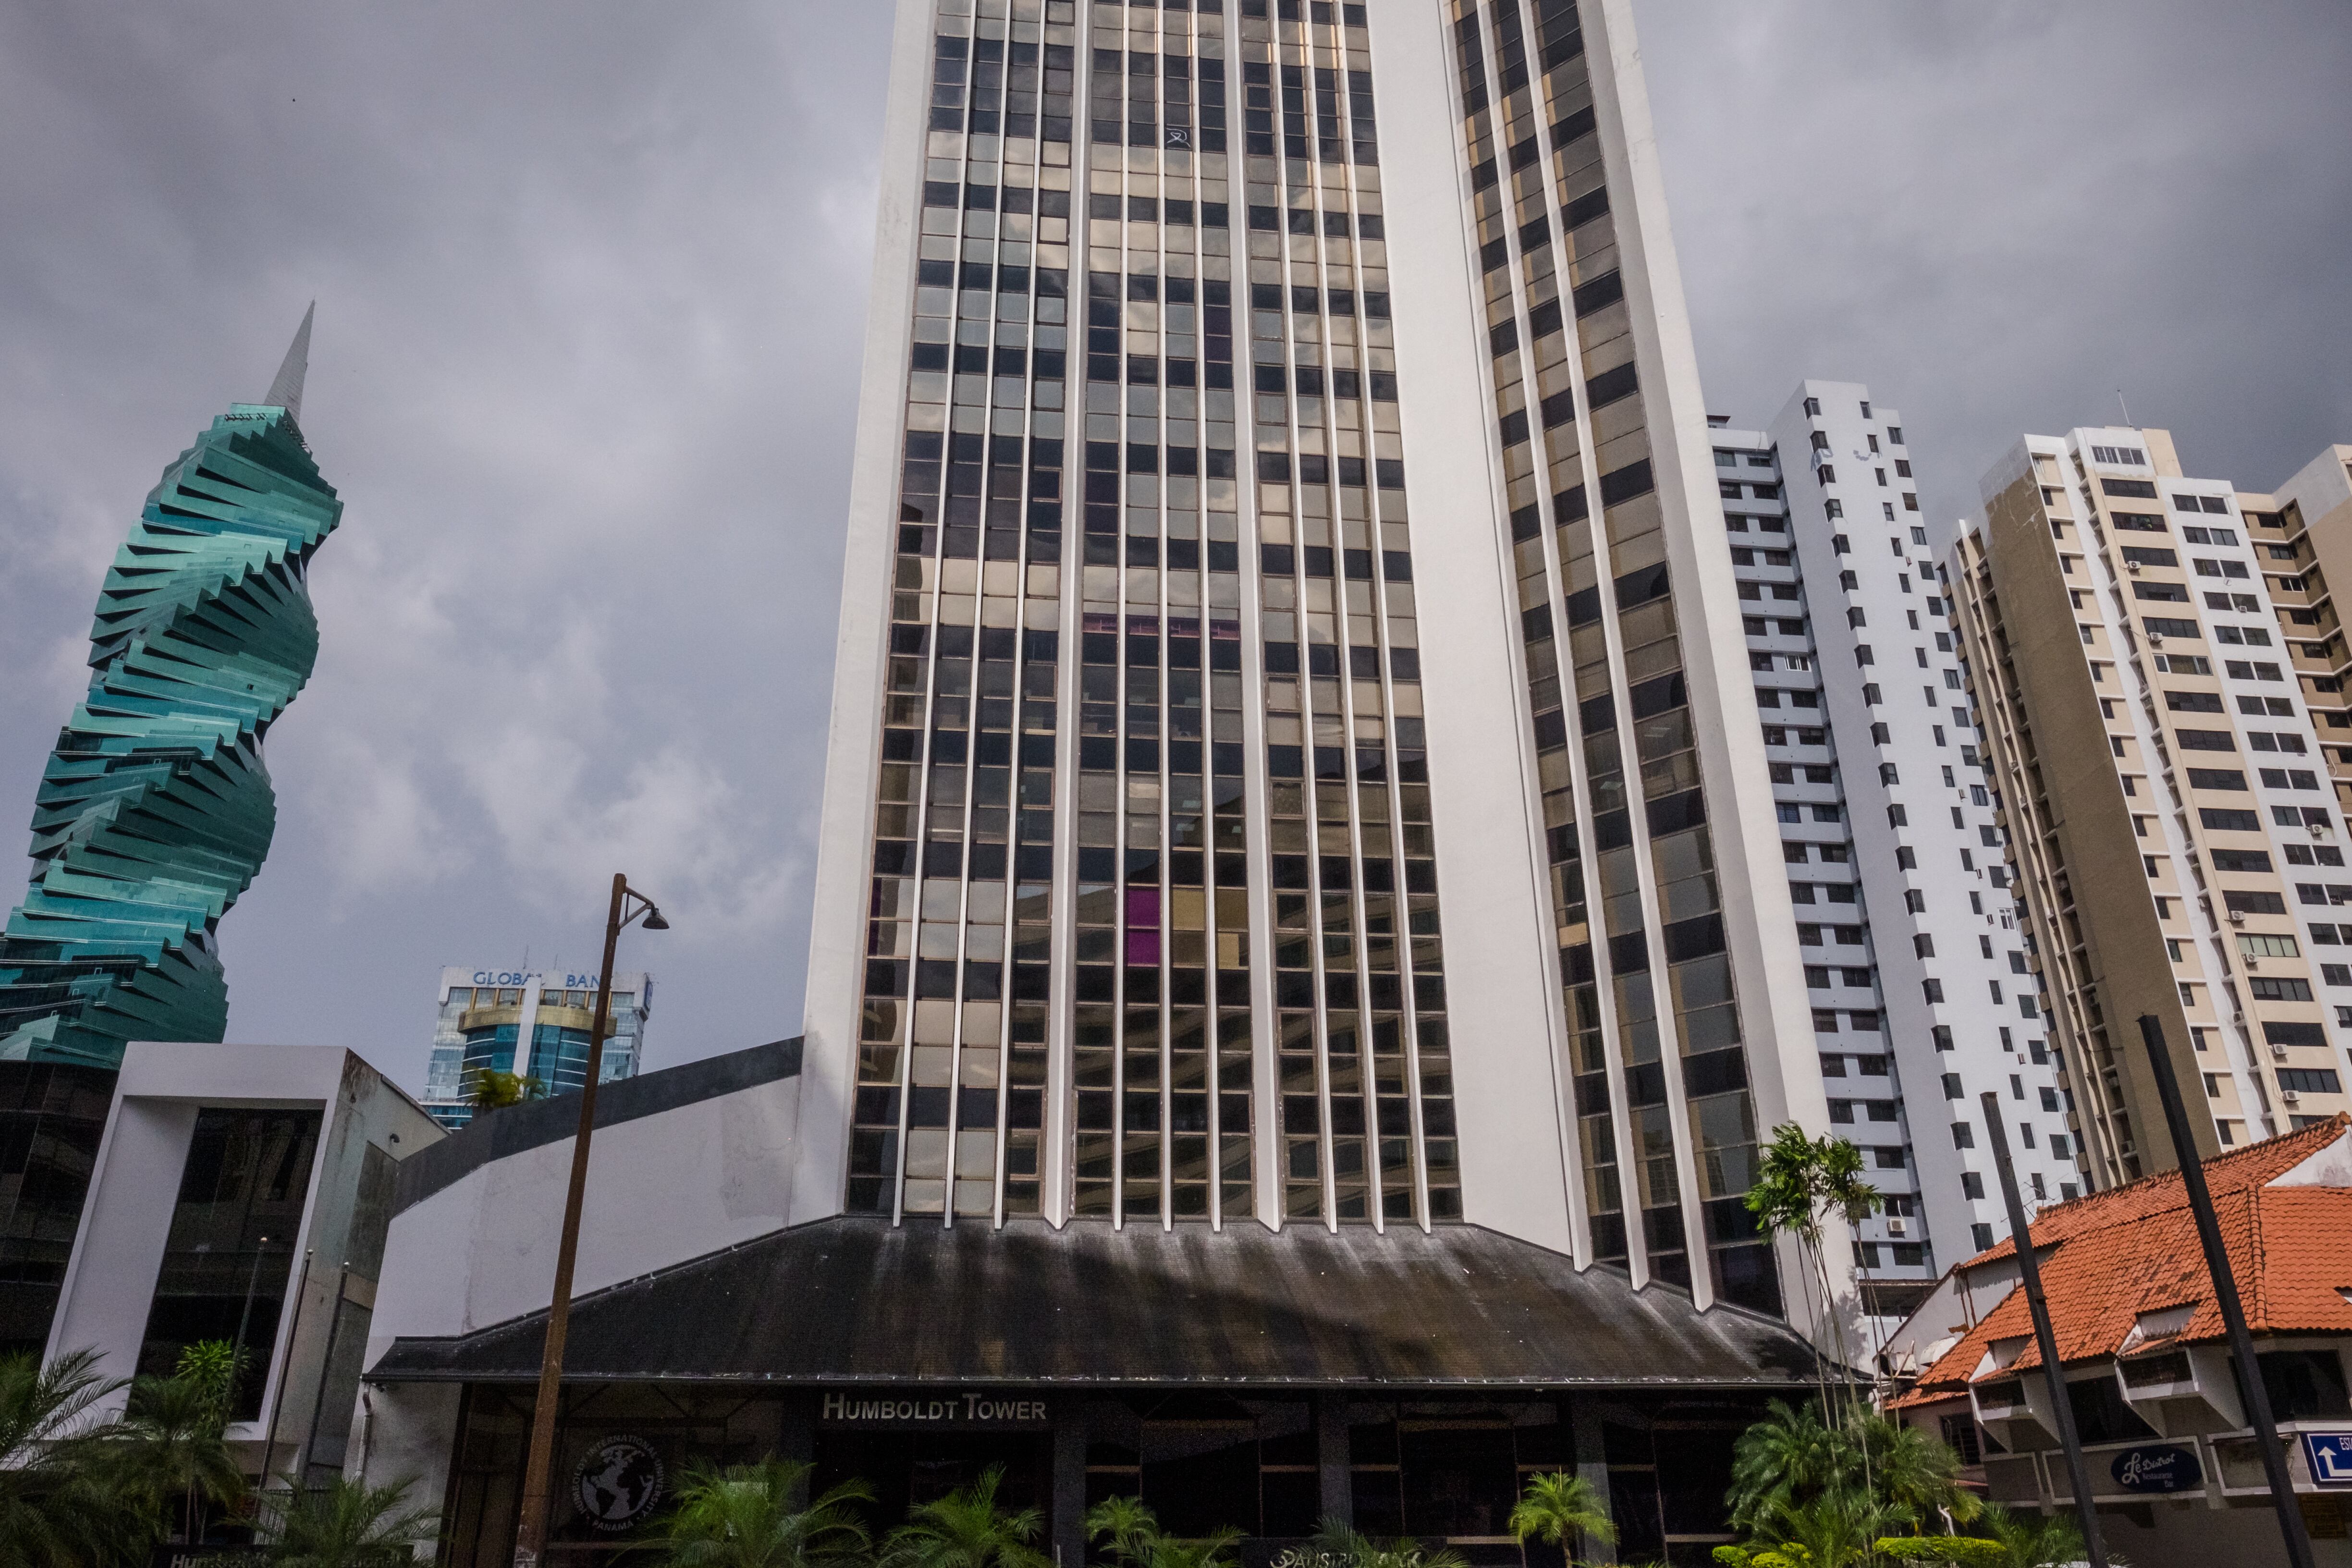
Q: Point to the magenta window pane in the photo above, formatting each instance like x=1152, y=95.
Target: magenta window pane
x=1143, y=925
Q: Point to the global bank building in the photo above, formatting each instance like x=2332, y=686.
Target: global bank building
x=1299, y=970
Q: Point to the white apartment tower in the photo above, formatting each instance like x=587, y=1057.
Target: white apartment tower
x=1292, y=762
x=1915, y=965
x=2146, y=648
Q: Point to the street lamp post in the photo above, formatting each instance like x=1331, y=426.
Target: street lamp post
x=531, y=1530
x=2252, y=1391
x=2045, y=1337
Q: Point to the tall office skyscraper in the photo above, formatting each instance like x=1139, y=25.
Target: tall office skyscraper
x=1292, y=760
x=1915, y=966
x=529, y=1022
x=2172, y=833
x=1293, y=770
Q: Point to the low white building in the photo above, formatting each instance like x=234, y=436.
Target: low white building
x=2175, y=1474
x=688, y=1162
x=243, y=1192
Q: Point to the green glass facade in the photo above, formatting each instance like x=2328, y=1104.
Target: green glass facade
x=155, y=810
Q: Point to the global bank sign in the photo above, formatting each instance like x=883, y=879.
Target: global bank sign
x=545, y=982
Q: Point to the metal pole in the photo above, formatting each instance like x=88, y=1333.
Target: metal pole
x=252, y=1279
x=2045, y=1338
x=531, y=1529
x=244, y=1318
x=2225, y=1294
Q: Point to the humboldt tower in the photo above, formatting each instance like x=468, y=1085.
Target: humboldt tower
x=155, y=810
x=1283, y=513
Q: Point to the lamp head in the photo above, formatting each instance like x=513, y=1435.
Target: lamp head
x=654, y=920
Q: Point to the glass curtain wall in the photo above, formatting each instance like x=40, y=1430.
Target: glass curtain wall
x=229, y=1255
x=1624, y=812
x=1363, y=1059
x=51, y=1119
x=1098, y=670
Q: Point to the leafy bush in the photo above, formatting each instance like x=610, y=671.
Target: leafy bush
x=1964, y=1549
x=1764, y=1557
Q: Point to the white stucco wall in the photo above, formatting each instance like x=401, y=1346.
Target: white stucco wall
x=110, y=1276
x=661, y=1189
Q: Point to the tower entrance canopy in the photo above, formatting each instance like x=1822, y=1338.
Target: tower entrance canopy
x=1242, y=1378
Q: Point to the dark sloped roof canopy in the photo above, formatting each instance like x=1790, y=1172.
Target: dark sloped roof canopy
x=855, y=1300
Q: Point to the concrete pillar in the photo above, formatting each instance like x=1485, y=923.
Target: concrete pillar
x=1338, y=1489
x=407, y=1432
x=797, y=1439
x=1591, y=1467
x=1069, y=1511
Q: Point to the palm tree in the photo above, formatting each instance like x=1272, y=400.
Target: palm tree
x=1836, y=1529
x=175, y=1448
x=1784, y=1460
x=967, y=1529
x=1137, y=1541
x=1335, y=1541
x=2033, y=1540
x=1800, y=1181
x=749, y=1516
x=1790, y=1459
x=1128, y=1526
x=491, y=1089
x=1559, y=1506
x=1919, y=1475
x=216, y=1366
x=345, y=1525
x=60, y=1503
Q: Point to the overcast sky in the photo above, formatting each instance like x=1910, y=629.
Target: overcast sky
x=591, y=279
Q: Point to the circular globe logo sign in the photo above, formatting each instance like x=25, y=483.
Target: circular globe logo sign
x=618, y=1483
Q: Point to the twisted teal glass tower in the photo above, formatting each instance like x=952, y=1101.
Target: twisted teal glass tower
x=155, y=810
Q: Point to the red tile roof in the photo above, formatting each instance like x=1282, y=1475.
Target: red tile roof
x=2107, y=1259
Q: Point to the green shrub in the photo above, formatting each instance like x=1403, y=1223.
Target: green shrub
x=1964, y=1549
x=1764, y=1557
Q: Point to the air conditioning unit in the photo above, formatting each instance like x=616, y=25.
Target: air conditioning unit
x=2156, y=639
x=2292, y=1097
x=2278, y=1051
x=2132, y=567
x=1897, y=1227
x=2237, y=917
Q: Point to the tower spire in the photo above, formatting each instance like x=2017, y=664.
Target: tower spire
x=286, y=392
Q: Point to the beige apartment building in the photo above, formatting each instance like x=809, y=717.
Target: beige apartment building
x=2164, y=793
x=2303, y=537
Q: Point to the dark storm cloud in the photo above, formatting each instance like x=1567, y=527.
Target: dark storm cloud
x=591, y=283
x=1997, y=214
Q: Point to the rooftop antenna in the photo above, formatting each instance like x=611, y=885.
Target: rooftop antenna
x=2127, y=408
x=286, y=390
